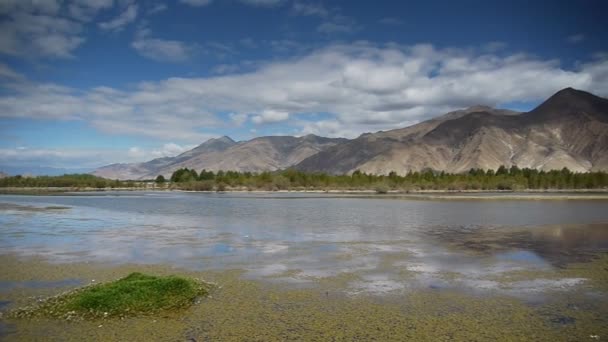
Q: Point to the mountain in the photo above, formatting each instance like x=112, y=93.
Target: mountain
x=37, y=170
x=570, y=129
x=255, y=155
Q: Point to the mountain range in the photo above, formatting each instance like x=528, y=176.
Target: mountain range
x=570, y=129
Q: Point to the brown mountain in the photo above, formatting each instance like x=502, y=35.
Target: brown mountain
x=570, y=129
x=255, y=155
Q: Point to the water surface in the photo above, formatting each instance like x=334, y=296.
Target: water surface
x=389, y=245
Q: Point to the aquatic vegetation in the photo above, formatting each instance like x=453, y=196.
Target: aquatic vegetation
x=132, y=295
x=268, y=311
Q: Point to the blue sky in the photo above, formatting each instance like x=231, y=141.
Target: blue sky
x=84, y=83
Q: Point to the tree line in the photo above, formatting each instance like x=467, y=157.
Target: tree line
x=64, y=181
x=503, y=178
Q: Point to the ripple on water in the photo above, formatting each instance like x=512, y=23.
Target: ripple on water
x=391, y=244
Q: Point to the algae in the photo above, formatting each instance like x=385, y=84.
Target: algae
x=135, y=294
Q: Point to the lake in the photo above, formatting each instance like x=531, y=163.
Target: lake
x=387, y=246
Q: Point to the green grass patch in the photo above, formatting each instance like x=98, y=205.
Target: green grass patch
x=136, y=294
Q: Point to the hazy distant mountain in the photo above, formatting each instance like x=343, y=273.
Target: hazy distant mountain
x=255, y=155
x=570, y=129
x=35, y=170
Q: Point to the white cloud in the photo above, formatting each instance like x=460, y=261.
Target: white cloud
x=270, y=116
x=575, y=38
x=85, y=158
x=163, y=50
x=6, y=72
x=85, y=10
x=57, y=158
x=309, y=9
x=27, y=34
x=125, y=18
x=157, y=8
x=238, y=119
x=47, y=7
x=359, y=87
x=196, y=3
x=171, y=150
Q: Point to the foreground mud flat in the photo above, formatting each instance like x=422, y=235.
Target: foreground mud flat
x=260, y=310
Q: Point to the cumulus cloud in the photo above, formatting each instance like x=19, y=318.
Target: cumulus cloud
x=270, y=116
x=359, y=87
x=238, y=118
x=49, y=28
x=31, y=31
x=122, y=20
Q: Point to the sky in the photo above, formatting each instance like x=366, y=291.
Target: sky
x=86, y=83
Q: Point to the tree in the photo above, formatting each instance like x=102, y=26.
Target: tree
x=184, y=175
x=206, y=175
x=502, y=170
x=160, y=179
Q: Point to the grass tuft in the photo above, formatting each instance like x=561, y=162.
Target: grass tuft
x=133, y=295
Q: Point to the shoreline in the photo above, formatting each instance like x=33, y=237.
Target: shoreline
x=332, y=191
x=530, y=194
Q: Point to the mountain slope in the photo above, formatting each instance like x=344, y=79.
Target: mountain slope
x=570, y=129
x=151, y=168
x=256, y=155
x=384, y=151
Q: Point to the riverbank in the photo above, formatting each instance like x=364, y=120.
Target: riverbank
x=431, y=194
x=263, y=311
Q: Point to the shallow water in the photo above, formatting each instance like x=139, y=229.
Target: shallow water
x=390, y=244
x=7, y=285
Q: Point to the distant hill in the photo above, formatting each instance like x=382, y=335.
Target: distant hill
x=570, y=129
x=40, y=170
x=255, y=155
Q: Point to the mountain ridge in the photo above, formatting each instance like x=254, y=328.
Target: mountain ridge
x=268, y=153
x=569, y=129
